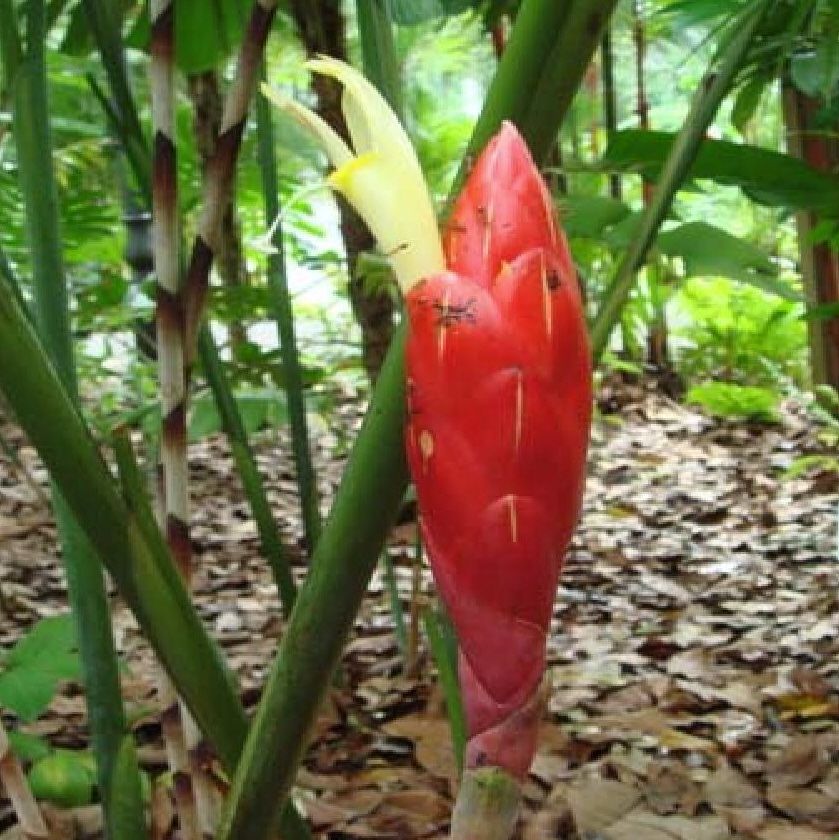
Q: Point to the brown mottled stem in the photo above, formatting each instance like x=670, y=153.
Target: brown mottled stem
x=17, y=789
x=171, y=369
x=207, y=106
x=222, y=166
x=487, y=805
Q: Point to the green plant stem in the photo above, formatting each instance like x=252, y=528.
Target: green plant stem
x=126, y=538
x=372, y=488
x=706, y=103
x=443, y=644
x=105, y=20
x=381, y=66
x=537, y=28
x=487, y=805
x=378, y=53
x=11, y=51
x=341, y=567
x=85, y=581
x=284, y=317
x=610, y=103
x=245, y=462
x=564, y=69
x=396, y=610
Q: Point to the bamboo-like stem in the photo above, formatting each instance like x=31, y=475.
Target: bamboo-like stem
x=706, y=103
x=13, y=779
x=284, y=317
x=131, y=137
x=195, y=812
x=346, y=553
x=487, y=805
x=205, y=94
x=222, y=166
x=86, y=586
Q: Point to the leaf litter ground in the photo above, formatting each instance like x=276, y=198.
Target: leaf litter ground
x=694, y=658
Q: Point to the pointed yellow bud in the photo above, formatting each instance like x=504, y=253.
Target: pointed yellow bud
x=380, y=176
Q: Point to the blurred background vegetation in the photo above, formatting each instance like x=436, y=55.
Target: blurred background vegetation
x=720, y=304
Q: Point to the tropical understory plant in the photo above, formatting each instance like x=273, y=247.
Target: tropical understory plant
x=543, y=63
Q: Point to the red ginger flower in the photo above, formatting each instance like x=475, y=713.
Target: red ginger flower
x=499, y=389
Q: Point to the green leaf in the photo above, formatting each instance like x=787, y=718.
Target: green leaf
x=730, y=401
x=26, y=693
x=686, y=13
x=33, y=668
x=805, y=464
x=587, y=216
x=50, y=646
x=28, y=747
x=63, y=778
x=816, y=73
x=709, y=251
x=262, y=409
x=823, y=312
x=747, y=101
x=768, y=177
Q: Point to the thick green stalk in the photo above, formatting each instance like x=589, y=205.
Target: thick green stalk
x=246, y=464
x=381, y=65
x=284, y=316
x=706, y=103
x=127, y=539
x=564, y=69
x=373, y=486
x=85, y=581
x=367, y=501
x=537, y=28
x=138, y=563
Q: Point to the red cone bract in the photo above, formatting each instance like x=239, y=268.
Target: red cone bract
x=499, y=392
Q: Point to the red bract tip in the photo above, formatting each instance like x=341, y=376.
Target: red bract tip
x=499, y=389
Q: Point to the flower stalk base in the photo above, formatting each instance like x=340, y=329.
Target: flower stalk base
x=487, y=805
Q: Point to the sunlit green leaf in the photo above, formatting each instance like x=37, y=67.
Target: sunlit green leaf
x=766, y=176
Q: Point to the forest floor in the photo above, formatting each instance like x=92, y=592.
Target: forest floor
x=694, y=658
